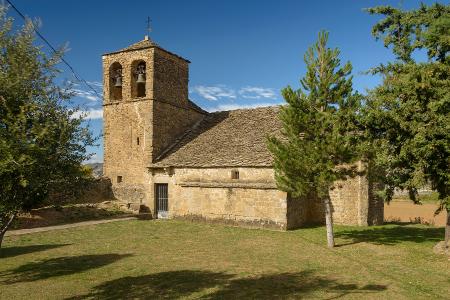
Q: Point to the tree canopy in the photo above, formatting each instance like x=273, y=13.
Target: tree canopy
x=319, y=132
x=42, y=143
x=407, y=117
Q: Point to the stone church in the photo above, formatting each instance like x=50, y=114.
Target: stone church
x=167, y=156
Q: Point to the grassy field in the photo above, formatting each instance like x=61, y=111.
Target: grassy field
x=173, y=259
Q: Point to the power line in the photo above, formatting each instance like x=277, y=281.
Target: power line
x=79, y=78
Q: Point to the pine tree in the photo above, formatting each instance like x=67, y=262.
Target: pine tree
x=407, y=117
x=319, y=132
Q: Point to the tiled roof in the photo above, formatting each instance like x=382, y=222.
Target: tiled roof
x=144, y=44
x=226, y=139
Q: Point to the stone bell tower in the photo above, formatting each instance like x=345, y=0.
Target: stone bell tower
x=145, y=109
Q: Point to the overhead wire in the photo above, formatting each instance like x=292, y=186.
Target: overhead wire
x=72, y=69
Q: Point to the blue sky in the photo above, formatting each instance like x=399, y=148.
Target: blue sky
x=242, y=53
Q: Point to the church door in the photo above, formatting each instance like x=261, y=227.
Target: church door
x=162, y=200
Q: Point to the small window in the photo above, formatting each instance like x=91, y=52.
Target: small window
x=119, y=179
x=234, y=174
x=137, y=141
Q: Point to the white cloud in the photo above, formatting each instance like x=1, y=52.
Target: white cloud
x=90, y=114
x=214, y=93
x=89, y=95
x=221, y=91
x=222, y=107
x=96, y=84
x=253, y=92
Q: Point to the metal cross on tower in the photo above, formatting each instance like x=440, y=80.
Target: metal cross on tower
x=149, y=28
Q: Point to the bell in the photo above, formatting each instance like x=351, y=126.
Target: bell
x=118, y=81
x=141, y=78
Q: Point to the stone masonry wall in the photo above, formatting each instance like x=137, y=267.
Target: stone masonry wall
x=137, y=129
x=211, y=195
x=124, y=122
x=376, y=205
x=172, y=114
x=171, y=76
x=126, y=60
x=350, y=199
x=169, y=123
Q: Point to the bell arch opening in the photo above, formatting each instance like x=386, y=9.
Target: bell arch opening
x=115, y=81
x=138, y=79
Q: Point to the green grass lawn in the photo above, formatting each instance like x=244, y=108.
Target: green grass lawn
x=173, y=259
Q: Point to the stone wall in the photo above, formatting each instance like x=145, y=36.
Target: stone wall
x=172, y=113
x=171, y=75
x=210, y=194
x=354, y=200
x=169, y=123
x=99, y=190
x=376, y=205
x=304, y=211
x=124, y=155
x=127, y=126
x=137, y=129
x=127, y=60
x=347, y=200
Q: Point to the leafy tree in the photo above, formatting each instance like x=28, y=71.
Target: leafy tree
x=42, y=143
x=318, y=129
x=407, y=116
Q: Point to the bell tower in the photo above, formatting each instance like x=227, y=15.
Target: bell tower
x=145, y=108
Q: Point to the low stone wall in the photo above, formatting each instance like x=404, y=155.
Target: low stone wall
x=130, y=193
x=95, y=192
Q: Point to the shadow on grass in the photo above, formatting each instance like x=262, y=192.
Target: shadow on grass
x=15, y=251
x=58, y=267
x=217, y=285
x=392, y=234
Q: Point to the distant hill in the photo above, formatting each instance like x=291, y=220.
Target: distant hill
x=97, y=169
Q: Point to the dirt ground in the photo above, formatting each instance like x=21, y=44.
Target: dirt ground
x=406, y=211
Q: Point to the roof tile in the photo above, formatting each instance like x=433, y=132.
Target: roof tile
x=226, y=139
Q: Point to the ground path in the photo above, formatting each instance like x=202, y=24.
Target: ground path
x=48, y=228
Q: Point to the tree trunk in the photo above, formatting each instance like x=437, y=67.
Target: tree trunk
x=447, y=230
x=329, y=222
x=5, y=228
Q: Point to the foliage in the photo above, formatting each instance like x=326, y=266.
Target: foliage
x=425, y=28
x=42, y=143
x=319, y=132
x=407, y=117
